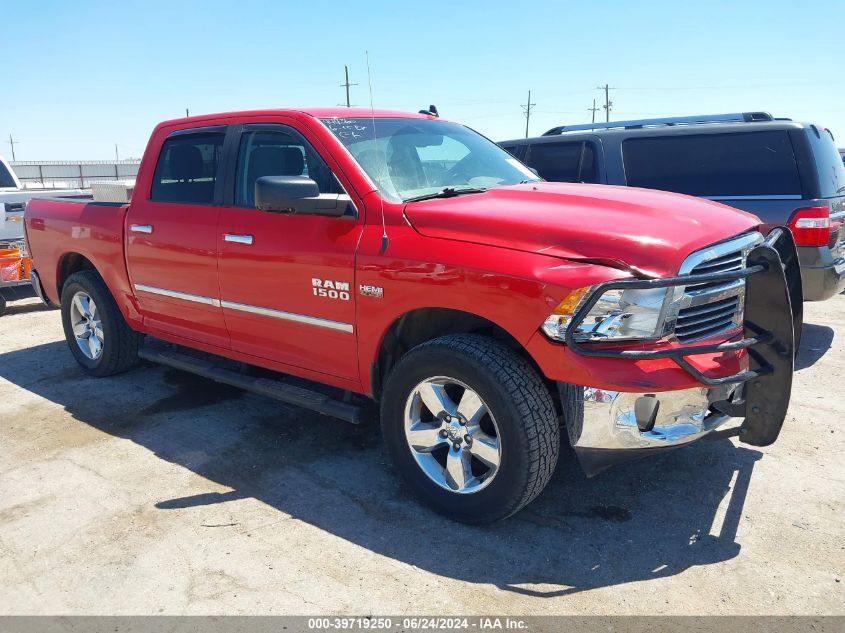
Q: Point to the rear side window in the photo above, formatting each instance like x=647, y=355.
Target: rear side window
x=727, y=165
x=828, y=163
x=564, y=162
x=517, y=151
x=187, y=168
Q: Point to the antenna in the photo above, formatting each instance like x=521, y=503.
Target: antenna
x=384, y=238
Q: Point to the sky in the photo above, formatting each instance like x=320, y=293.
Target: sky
x=82, y=77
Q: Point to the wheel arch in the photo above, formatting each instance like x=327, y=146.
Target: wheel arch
x=419, y=325
x=68, y=264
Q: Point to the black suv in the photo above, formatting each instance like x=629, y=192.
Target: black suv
x=784, y=172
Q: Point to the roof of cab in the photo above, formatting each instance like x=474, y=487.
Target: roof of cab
x=319, y=113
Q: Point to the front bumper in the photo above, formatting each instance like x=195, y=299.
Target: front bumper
x=607, y=427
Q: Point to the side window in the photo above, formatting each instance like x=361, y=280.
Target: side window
x=6, y=179
x=517, y=151
x=187, y=168
x=564, y=162
x=741, y=164
x=278, y=153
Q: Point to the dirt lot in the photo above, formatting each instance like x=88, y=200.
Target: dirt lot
x=156, y=492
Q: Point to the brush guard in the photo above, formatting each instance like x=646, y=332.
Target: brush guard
x=772, y=326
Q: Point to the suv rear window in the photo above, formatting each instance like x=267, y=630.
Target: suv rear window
x=187, y=168
x=724, y=165
x=828, y=163
x=563, y=162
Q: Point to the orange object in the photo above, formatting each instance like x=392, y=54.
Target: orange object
x=26, y=267
x=10, y=264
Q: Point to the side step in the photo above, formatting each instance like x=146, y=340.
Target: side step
x=274, y=389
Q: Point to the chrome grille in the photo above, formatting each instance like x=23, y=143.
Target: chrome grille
x=708, y=309
x=706, y=320
x=724, y=264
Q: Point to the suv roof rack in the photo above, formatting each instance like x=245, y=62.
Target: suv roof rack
x=739, y=117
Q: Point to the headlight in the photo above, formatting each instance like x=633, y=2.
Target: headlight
x=617, y=315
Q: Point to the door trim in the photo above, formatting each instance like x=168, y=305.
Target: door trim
x=289, y=316
x=177, y=295
x=243, y=307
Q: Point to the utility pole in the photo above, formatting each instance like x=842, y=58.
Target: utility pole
x=527, y=109
x=608, y=104
x=594, y=109
x=347, y=85
x=12, y=143
x=187, y=114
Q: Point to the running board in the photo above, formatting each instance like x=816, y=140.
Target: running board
x=275, y=389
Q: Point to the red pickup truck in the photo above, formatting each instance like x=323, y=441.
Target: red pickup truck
x=406, y=259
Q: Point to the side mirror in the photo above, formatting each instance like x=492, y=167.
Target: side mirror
x=297, y=195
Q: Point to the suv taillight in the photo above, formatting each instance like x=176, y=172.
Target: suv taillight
x=811, y=226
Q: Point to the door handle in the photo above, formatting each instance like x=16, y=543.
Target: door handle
x=141, y=228
x=238, y=239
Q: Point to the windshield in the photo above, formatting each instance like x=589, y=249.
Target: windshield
x=417, y=158
x=6, y=179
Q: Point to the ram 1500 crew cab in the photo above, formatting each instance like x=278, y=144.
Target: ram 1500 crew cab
x=408, y=259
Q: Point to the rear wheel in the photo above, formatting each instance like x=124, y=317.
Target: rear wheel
x=471, y=427
x=97, y=334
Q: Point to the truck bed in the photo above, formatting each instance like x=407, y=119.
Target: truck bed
x=94, y=230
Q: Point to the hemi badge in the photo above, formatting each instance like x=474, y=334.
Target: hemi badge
x=371, y=291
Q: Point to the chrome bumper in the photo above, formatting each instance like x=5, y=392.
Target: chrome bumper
x=36, y=285
x=609, y=427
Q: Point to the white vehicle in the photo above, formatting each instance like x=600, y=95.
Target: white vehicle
x=13, y=198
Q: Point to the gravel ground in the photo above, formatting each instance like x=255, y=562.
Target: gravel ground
x=159, y=493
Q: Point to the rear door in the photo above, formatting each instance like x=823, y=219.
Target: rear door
x=287, y=281
x=171, y=239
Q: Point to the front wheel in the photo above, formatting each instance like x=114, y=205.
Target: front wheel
x=96, y=332
x=471, y=427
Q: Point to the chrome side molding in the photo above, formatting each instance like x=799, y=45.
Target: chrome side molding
x=243, y=307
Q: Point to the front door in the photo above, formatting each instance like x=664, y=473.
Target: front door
x=287, y=281
x=171, y=239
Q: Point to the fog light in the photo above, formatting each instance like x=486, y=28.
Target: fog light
x=645, y=411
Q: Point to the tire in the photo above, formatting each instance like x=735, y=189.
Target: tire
x=118, y=348
x=517, y=411
x=2, y=305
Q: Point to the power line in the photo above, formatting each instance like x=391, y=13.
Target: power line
x=608, y=104
x=527, y=109
x=347, y=85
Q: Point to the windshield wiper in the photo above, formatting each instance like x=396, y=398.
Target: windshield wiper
x=448, y=192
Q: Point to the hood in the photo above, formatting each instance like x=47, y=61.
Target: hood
x=623, y=227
